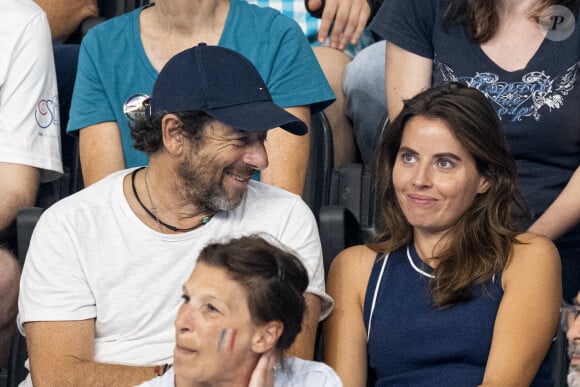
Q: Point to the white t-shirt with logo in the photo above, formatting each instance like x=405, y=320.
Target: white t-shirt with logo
x=29, y=110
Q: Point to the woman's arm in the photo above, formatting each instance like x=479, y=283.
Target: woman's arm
x=563, y=213
x=406, y=74
x=344, y=337
x=101, y=151
x=288, y=155
x=528, y=315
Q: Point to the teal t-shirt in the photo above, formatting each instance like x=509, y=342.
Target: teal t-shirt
x=113, y=66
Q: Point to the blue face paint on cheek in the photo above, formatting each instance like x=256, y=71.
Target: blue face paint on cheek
x=221, y=339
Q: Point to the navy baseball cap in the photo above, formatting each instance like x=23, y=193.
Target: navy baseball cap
x=223, y=84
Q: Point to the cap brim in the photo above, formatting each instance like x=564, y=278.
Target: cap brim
x=259, y=115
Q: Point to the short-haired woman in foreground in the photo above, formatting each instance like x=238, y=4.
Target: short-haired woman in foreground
x=242, y=307
x=448, y=293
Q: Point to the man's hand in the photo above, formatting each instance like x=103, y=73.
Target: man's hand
x=349, y=17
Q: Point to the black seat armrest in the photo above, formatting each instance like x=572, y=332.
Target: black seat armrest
x=26, y=219
x=339, y=229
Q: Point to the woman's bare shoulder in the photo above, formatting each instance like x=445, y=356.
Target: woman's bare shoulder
x=356, y=257
x=353, y=266
x=533, y=256
x=534, y=245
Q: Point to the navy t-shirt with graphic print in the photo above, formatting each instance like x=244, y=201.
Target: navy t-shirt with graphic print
x=539, y=106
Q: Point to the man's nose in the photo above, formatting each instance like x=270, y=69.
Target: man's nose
x=256, y=155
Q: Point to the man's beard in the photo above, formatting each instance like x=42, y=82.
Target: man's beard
x=573, y=378
x=574, y=370
x=218, y=200
x=204, y=187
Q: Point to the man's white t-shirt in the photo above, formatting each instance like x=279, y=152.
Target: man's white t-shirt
x=91, y=257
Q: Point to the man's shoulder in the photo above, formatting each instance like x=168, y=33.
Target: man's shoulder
x=262, y=191
x=268, y=201
x=16, y=14
x=267, y=209
x=93, y=198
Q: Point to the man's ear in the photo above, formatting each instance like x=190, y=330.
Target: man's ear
x=172, y=134
x=267, y=336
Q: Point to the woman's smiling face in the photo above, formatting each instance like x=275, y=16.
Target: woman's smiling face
x=435, y=178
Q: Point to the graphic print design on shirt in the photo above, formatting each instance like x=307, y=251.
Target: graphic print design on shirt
x=518, y=99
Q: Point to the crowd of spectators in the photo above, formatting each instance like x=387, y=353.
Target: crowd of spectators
x=193, y=125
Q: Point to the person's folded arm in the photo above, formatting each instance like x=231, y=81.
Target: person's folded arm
x=528, y=314
x=288, y=155
x=61, y=353
x=101, y=151
x=563, y=213
x=406, y=75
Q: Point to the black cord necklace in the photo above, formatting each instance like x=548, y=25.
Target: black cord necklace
x=153, y=216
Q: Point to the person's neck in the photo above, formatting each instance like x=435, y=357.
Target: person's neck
x=511, y=8
x=428, y=245
x=170, y=27
x=189, y=17
x=164, y=198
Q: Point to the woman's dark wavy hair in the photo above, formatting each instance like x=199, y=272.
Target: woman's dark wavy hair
x=481, y=16
x=275, y=281
x=146, y=132
x=479, y=244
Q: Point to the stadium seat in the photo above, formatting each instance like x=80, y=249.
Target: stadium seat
x=351, y=216
x=319, y=172
x=25, y=222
